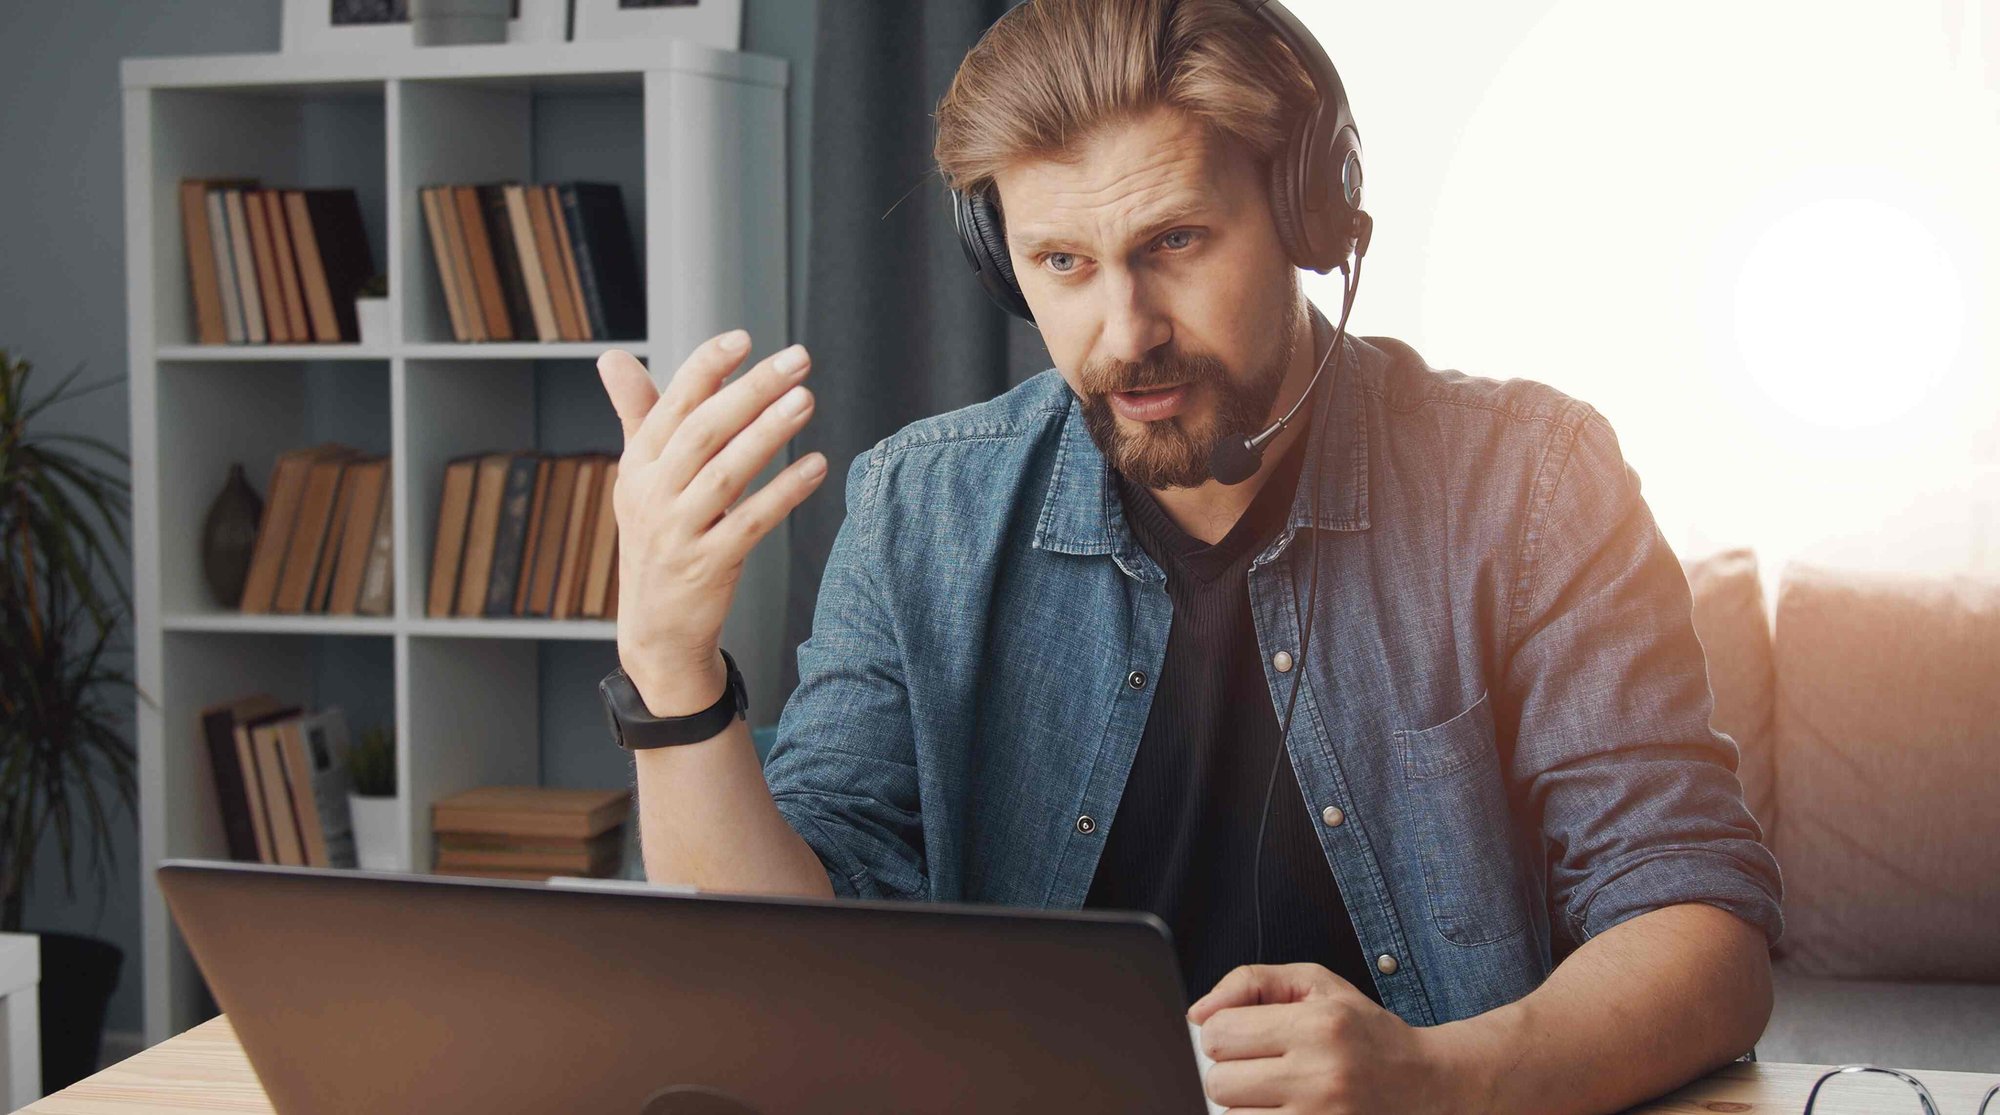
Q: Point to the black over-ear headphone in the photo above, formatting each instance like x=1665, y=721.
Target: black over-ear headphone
x=1315, y=182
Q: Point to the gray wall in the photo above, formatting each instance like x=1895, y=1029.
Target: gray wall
x=62, y=303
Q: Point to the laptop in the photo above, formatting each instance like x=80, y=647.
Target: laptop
x=390, y=992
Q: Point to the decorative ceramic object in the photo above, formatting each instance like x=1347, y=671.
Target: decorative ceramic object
x=228, y=536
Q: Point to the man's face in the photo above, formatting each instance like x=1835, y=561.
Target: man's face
x=1151, y=261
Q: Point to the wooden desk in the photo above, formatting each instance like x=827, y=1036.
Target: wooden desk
x=204, y=1070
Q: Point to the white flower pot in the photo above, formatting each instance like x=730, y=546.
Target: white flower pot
x=378, y=833
x=372, y=315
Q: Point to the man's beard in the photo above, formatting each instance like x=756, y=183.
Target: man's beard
x=1168, y=453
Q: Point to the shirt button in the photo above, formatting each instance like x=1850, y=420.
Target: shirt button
x=1385, y=964
x=1136, y=679
x=1086, y=824
x=1283, y=661
x=1332, y=816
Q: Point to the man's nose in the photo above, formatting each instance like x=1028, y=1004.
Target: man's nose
x=1134, y=326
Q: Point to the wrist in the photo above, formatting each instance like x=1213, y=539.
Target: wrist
x=1466, y=1059
x=671, y=691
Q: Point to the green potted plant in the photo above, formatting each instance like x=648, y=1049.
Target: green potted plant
x=64, y=698
x=372, y=803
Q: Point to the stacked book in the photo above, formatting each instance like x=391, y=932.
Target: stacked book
x=273, y=266
x=522, y=262
x=526, y=534
x=280, y=781
x=325, y=543
x=530, y=832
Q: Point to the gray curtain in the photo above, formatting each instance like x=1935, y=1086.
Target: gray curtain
x=898, y=327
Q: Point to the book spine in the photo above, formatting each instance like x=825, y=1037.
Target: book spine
x=225, y=268
x=586, y=270
x=511, y=536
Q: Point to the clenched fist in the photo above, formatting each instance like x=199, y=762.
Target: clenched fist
x=689, y=453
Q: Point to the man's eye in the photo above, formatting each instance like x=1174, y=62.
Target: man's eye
x=1061, y=268
x=1186, y=235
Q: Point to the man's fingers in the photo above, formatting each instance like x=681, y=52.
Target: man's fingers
x=719, y=420
x=725, y=476
x=1251, y=984
x=1234, y=1033
x=749, y=521
x=696, y=379
x=629, y=386
x=1247, y=1084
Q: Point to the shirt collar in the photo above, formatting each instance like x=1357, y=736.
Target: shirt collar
x=1082, y=513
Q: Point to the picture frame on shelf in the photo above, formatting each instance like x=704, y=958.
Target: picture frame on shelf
x=712, y=23
x=323, y=26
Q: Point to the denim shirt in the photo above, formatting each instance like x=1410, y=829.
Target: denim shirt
x=1502, y=729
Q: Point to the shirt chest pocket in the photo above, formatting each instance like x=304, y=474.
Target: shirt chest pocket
x=1462, y=827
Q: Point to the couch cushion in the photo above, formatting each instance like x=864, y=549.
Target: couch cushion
x=1735, y=631
x=1887, y=734
x=1908, y=1025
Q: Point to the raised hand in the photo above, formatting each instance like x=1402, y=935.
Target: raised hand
x=682, y=536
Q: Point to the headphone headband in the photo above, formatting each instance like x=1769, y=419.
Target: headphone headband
x=1319, y=218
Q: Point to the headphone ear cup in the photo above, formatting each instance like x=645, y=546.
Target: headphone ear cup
x=988, y=237
x=1284, y=203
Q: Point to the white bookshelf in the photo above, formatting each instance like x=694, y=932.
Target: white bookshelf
x=695, y=138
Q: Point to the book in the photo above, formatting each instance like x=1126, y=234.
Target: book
x=549, y=537
x=485, y=274
x=614, y=290
x=288, y=267
x=274, y=531
x=531, y=811
x=336, y=535
x=577, y=535
x=366, y=487
x=528, y=251
x=331, y=242
x=204, y=279
x=566, y=252
x=378, y=577
x=482, y=529
x=534, y=200
x=507, y=261
x=312, y=749
x=603, y=547
x=600, y=857
x=246, y=268
x=309, y=530
x=285, y=841
x=225, y=267
x=510, y=534
x=253, y=779
x=269, y=296
x=448, y=550
x=441, y=255
x=456, y=842
x=461, y=262
x=218, y=729
x=533, y=542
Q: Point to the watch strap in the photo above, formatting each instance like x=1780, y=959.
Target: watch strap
x=635, y=728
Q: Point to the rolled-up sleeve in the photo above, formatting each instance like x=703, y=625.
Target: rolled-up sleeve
x=1636, y=794
x=843, y=770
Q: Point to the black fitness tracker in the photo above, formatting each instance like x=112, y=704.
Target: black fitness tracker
x=637, y=729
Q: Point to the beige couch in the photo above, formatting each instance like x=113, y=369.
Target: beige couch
x=1868, y=718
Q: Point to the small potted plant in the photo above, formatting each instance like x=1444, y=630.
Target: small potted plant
x=372, y=802
x=371, y=310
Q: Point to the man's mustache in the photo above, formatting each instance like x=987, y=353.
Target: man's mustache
x=1153, y=373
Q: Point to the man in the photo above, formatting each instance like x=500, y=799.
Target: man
x=1051, y=655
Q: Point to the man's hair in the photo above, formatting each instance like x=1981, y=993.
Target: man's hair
x=1050, y=73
